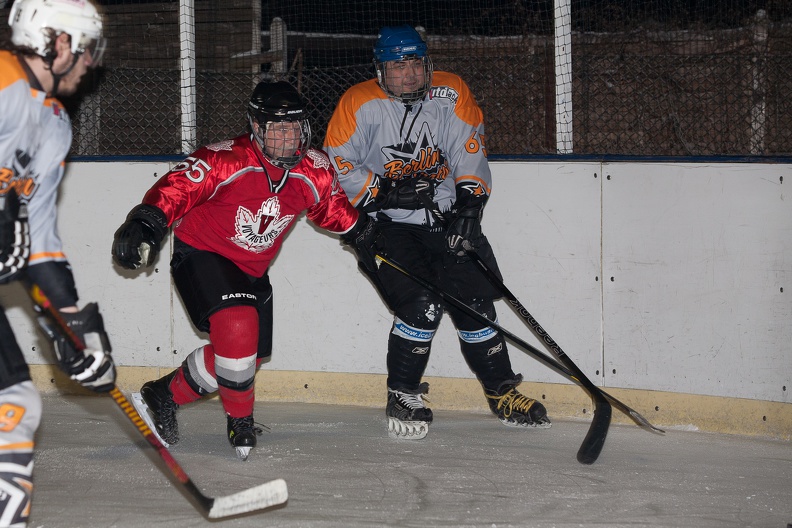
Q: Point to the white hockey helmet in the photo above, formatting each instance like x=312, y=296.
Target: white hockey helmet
x=35, y=23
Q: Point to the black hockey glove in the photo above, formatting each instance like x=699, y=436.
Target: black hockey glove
x=93, y=368
x=401, y=194
x=14, y=236
x=366, y=239
x=464, y=230
x=137, y=242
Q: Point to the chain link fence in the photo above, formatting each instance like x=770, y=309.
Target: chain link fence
x=646, y=77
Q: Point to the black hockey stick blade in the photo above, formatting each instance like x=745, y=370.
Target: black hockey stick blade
x=263, y=496
x=594, y=441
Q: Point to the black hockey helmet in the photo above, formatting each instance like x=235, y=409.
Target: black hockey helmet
x=279, y=102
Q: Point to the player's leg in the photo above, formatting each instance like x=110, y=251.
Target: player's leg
x=487, y=355
x=20, y=415
x=223, y=301
x=484, y=348
x=417, y=315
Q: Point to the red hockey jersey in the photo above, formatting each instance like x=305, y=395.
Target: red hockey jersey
x=228, y=199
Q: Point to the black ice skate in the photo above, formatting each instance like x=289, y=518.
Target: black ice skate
x=155, y=405
x=408, y=416
x=515, y=409
x=242, y=433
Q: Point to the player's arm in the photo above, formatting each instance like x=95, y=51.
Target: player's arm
x=470, y=171
x=138, y=240
x=346, y=145
x=14, y=236
x=93, y=368
x=335, y=213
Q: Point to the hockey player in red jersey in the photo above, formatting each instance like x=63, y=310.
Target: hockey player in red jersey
x=55, y=42
x=409, y=138
x=231, y=205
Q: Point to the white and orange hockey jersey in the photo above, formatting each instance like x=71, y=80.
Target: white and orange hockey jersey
x=372, y=136
x=35, y=137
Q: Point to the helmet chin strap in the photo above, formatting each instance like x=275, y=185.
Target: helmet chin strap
x=56, y=77
x=259, y=138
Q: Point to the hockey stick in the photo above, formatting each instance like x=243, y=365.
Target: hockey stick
x=542, y=335
x=259, y=497
x=594, y=441
x=595, y=392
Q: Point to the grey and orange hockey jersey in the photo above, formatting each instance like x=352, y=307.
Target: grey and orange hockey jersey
x=372, y=136
x=35, y=137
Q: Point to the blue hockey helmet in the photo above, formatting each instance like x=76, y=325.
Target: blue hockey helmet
x=398, y=44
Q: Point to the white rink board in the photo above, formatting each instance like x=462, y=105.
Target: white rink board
x=698, y=256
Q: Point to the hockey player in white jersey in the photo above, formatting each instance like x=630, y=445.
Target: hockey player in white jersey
x=409, y=150
x=55, y=42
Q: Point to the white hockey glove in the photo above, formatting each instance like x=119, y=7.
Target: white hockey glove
x=14, y=236
x=93, y=368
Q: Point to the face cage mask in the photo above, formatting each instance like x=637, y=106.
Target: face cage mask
x=406, y=97
x=283, y=162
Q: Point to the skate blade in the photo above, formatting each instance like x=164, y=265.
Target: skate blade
x=243, y=452
x=143, y=410
x=407, y=430
x=545, y=423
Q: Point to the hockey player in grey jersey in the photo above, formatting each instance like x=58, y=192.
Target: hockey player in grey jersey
x=55, y=42
x=412, y=137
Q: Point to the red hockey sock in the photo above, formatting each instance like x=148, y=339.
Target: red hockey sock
x=182, y=392
x=234, y=335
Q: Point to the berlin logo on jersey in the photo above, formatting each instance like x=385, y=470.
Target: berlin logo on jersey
x=258, y=232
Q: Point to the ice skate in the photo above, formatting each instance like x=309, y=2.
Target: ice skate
x=408, y=416
x=242, y=433
x=155, y=405
x=515, y=409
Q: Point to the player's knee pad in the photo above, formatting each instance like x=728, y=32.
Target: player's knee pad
x=20, y=416
x=208, y=282
x=418, y=319
x=470, y=330
x=410, y=342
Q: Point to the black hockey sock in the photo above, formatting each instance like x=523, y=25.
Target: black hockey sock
x=489, y=361
x=406, y=362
